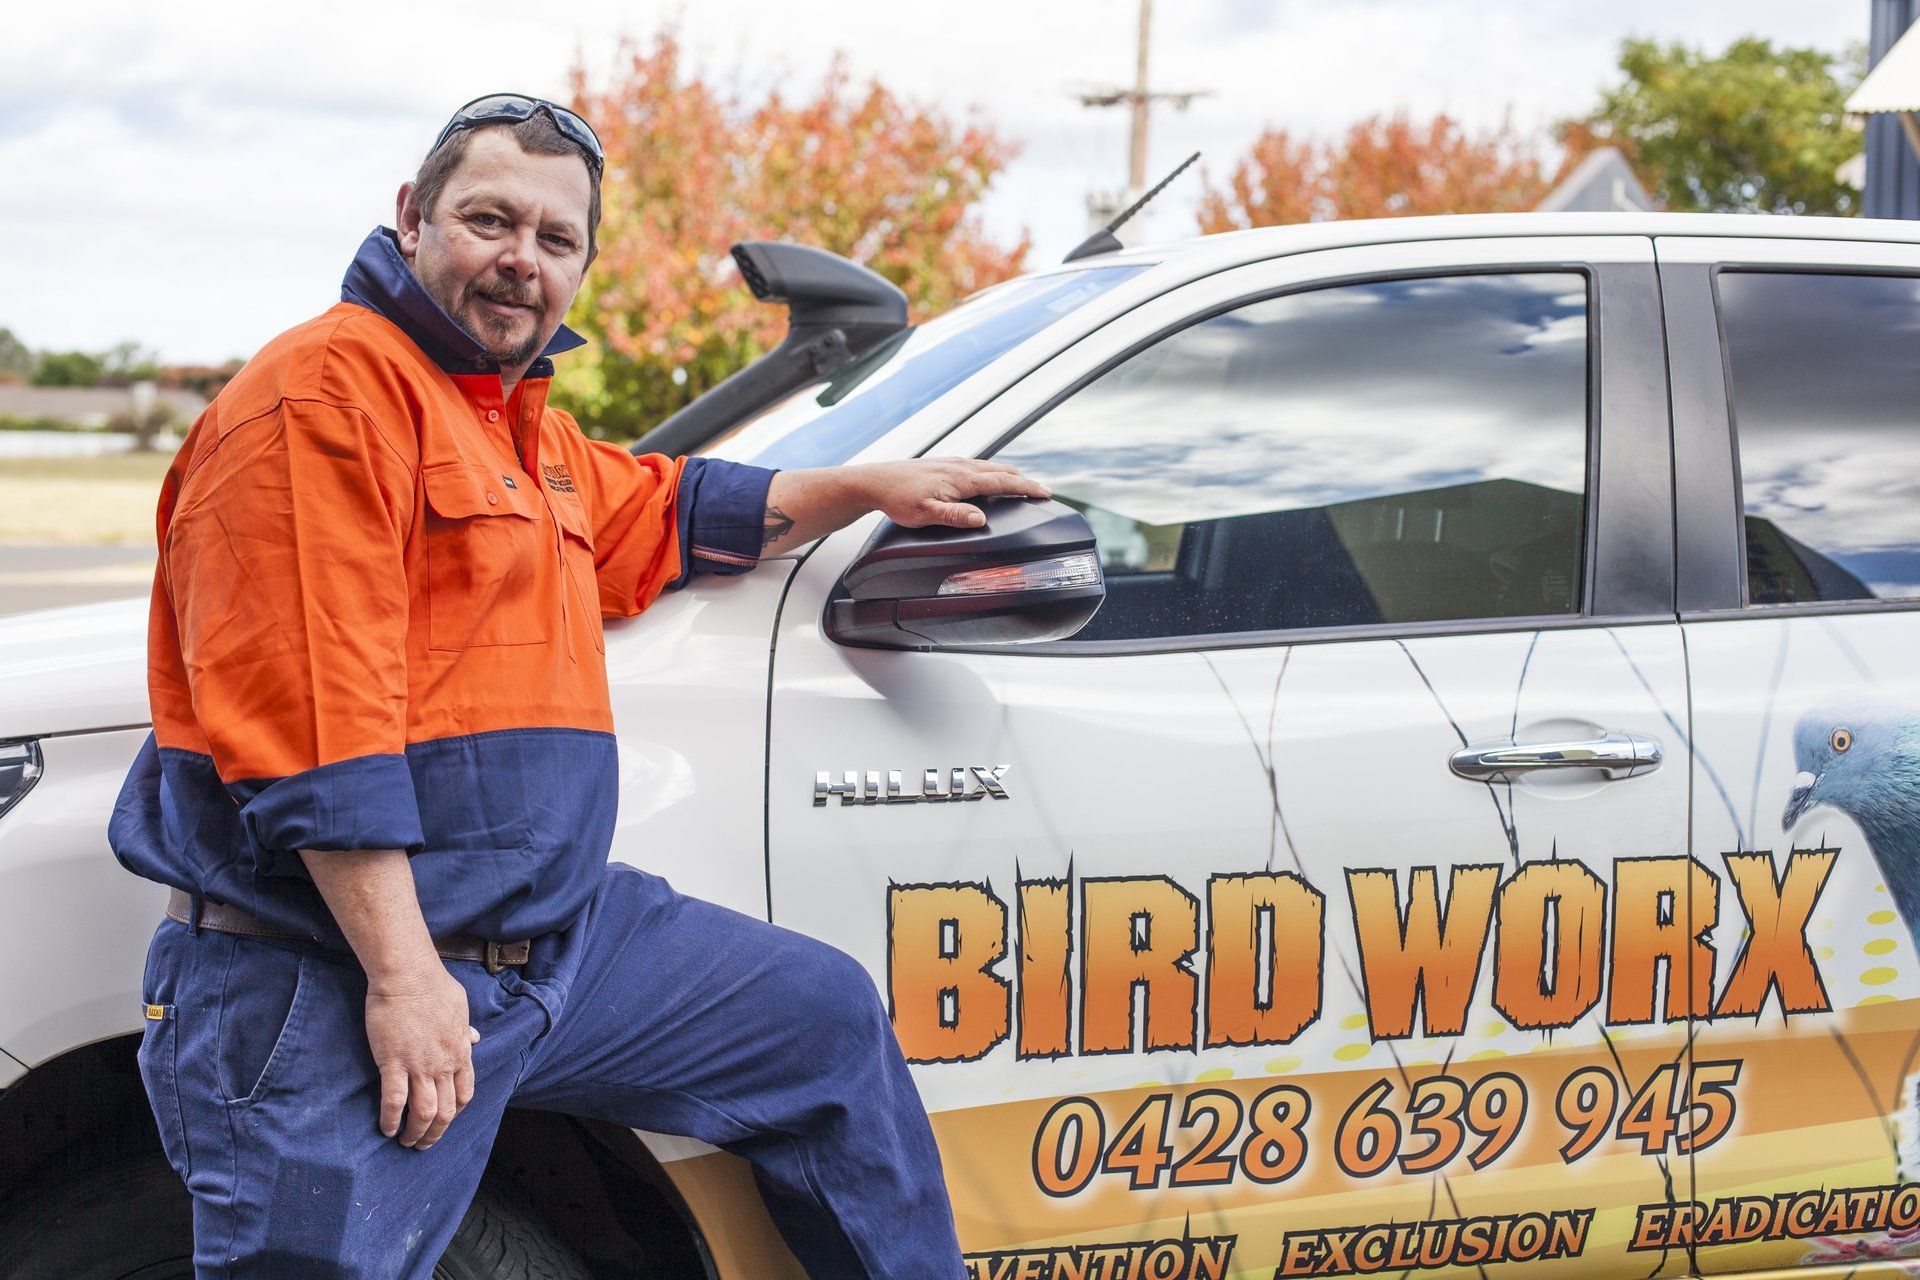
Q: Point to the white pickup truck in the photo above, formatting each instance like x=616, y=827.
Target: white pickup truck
x=1477, y=828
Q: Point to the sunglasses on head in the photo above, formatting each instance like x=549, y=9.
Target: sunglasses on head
x=494, y=108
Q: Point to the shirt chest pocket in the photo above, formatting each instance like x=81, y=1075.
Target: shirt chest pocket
x=487, y=557
x=576, y=547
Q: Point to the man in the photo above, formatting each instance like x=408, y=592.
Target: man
x=382, y=775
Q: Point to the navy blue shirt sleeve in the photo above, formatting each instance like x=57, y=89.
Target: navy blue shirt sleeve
x=721, y=510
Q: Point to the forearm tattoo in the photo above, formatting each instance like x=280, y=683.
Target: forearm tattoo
x=778, y=525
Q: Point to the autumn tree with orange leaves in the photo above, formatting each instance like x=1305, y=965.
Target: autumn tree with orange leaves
x=693, y=168
x=1383, y=167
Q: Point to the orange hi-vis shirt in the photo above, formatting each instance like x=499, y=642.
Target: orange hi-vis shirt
x=376, y=620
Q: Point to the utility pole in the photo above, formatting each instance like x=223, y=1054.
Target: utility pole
x=1137, y=142
x=1103, y=205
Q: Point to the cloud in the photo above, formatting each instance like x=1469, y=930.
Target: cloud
x=1330, y=396
x=1824, y=386
x=194, y=175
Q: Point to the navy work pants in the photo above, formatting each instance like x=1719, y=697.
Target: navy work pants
x=655, y=1011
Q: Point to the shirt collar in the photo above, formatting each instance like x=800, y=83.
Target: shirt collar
x=380, y=280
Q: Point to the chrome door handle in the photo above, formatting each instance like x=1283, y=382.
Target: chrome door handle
x=1617, y=755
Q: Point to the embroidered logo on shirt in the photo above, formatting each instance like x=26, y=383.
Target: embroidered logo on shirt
x=558, y=479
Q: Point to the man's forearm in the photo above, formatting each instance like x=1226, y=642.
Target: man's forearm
x=371, y=895
x=418, y=1027
x=808, y=503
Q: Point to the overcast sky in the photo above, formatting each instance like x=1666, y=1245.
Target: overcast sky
x=194, y=176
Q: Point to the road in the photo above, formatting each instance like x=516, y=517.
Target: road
x=45, y=577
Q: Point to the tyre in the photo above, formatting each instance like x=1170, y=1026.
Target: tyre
x=504, y=1238
x=127, y=1220
x=132, y=1220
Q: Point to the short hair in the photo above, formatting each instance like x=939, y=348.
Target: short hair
x=538, y=136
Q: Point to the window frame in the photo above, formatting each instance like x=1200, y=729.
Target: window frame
x=1710, y=502
x=1626, y=547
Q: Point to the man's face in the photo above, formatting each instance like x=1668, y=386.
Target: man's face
x=505, y=245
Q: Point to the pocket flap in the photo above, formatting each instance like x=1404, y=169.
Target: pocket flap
x=572, y=517
x=460, y=490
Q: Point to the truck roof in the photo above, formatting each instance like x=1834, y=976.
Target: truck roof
x=1232, y=248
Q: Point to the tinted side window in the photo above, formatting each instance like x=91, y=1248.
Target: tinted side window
x=1825, y=384
x=1392, y=452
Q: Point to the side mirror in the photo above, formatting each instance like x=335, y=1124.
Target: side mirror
x=1030, y=573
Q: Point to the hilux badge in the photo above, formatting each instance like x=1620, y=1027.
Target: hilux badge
x=888, y=786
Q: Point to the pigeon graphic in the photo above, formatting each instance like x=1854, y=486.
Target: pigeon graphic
x=1863, y=758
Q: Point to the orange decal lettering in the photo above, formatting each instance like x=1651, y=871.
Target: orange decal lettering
x=1428, y=956
x=1776, y=955
x=1139, y=934
x=1547, y=962
x=942, y=943
x=1663, y=909
x=1046, y=983
x=1264, y=935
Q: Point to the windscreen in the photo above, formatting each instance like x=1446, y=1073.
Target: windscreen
x=825, y=424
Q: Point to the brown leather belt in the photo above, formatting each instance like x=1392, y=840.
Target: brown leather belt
x=455, y=946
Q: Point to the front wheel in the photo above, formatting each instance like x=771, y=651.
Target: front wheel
x=133, y=1220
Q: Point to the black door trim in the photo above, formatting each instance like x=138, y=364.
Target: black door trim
x=1633, y=496
x=1710, y=569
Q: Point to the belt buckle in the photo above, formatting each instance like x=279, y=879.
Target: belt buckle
x=491, y=953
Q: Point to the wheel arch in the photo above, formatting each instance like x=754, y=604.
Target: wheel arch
x=601, y=1185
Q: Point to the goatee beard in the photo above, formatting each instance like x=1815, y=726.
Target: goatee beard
x=507, y=357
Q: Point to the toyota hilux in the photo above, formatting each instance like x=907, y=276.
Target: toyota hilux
x=1438, y=789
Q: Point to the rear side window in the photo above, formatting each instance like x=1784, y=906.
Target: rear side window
x=1824, y=378
x=1391, y=452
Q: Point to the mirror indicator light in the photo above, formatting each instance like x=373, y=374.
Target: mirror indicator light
x=1081, y=569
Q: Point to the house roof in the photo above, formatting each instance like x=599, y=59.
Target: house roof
x=1601, y=183
x=88, y=405
x=1894, y=83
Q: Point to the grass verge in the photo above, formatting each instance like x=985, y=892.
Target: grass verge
x=106, y=500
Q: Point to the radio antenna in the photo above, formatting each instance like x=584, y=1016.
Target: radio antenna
x=1104, y=240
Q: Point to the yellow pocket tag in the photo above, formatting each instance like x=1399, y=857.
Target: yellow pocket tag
x=155, y=1012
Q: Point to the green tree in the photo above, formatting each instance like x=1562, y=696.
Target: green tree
x=68, y=369
x=129, y=362
x=16, y=360
x=1752, y=130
